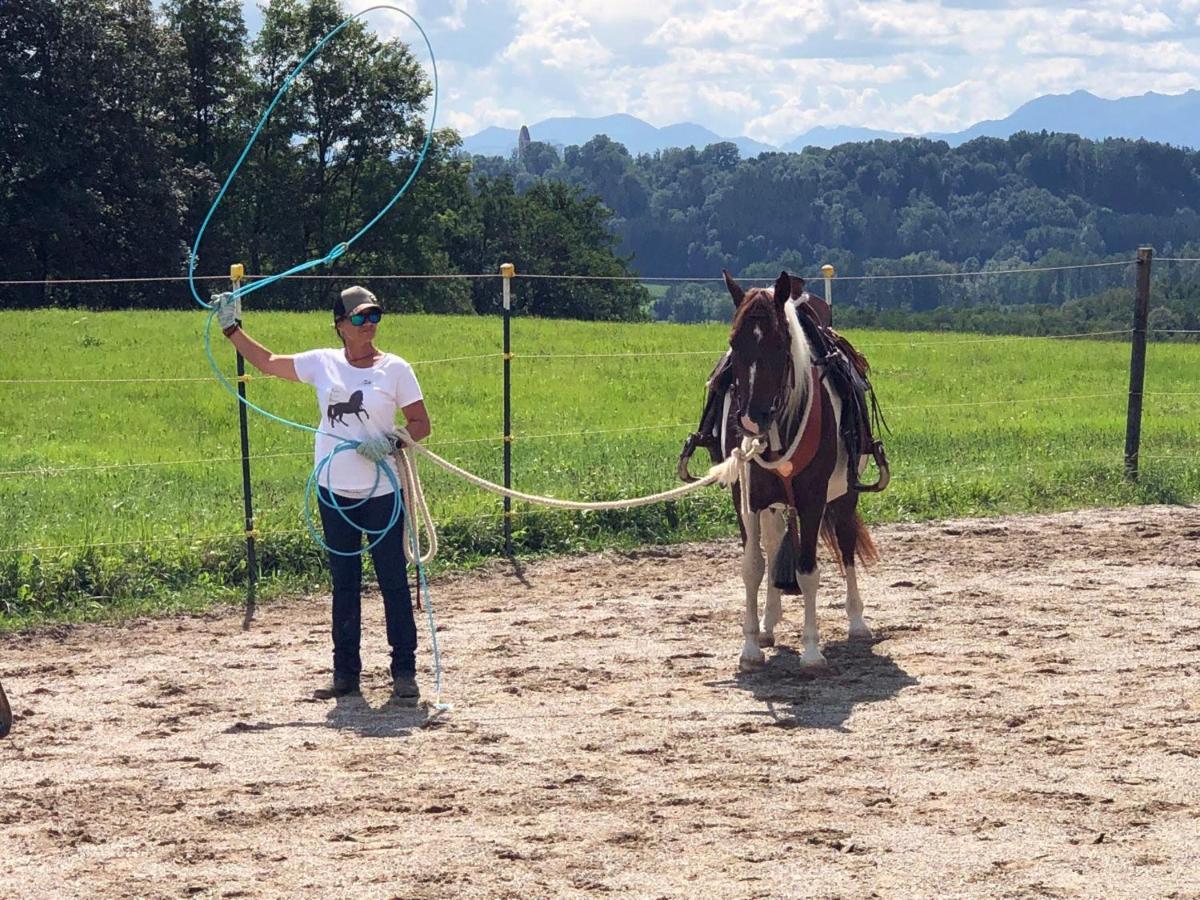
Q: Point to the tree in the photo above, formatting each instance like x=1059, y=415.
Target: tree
x=604, y=167
x=213, y=35
x=92, y=185
x=540, y=158
x=341, y=142
x=212, y=38
x=692, y=302
x=553, y=229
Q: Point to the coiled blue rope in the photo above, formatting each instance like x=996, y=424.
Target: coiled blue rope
x=323, y=466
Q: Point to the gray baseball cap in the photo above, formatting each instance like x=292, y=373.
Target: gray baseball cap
x=355, y=299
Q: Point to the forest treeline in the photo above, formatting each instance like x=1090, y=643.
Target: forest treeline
x=119, y=120
x=908, y=207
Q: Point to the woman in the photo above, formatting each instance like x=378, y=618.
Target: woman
x=359, y=391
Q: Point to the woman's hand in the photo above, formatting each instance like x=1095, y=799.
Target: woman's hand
x=229, y=311
x=376, y=449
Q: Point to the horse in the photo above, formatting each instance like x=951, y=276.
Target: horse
x=353, y=406
x=799, y=488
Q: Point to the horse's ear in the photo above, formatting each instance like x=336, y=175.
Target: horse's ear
x=735, y=289
x=783, y=287
x=797, y=287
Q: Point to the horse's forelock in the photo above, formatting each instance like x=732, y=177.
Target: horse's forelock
x=755, y=298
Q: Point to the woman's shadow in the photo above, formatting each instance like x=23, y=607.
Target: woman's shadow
x=355, y=713
x=391, y=719
x=800, y=697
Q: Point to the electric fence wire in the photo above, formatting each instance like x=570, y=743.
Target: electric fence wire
x=298, y=273
x=47, y=471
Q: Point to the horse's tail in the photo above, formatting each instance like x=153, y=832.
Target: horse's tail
x=864, y=545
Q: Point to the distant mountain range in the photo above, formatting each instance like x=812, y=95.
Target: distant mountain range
x=1167, y=118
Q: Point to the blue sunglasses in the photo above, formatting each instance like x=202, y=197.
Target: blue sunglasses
x=360, y=318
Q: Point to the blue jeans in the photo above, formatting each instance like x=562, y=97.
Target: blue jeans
x=388, y=556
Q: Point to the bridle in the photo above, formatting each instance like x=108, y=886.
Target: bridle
x=787, y=382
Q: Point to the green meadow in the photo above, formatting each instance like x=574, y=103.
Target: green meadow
x=120, y=475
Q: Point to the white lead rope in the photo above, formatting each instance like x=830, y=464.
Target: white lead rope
x=726, y=473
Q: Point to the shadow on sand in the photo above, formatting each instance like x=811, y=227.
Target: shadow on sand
x=355, y=713
x=798, y=697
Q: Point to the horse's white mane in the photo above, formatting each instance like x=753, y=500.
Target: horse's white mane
x=801, y=362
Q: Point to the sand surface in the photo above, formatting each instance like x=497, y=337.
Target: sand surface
x=1026, y=722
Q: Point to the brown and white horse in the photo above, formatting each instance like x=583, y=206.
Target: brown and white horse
x=778, y=396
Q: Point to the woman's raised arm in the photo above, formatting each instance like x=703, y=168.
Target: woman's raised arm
x=278, y=365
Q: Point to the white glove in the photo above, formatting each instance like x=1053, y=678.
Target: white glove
x=229, y=310
x=376, y=449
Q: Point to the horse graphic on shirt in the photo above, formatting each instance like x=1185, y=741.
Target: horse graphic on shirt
x=354, y=406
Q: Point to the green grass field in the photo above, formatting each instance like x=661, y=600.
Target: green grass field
x=120, y=479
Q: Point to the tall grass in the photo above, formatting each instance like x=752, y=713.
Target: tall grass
x=114, y=488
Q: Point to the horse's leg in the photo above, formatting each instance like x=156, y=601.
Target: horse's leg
x=859, y=630
x=774, y=533
x=753, y=567
x=845, y=523
x=809, y=512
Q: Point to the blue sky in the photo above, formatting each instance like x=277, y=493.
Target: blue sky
x=771, y=69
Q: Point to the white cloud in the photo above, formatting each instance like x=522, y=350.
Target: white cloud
x=773, y=68
x=818, y=105
x=456, y=19
x=753, y=25
x=386, y=23
x=472, y=118
x=562, y=40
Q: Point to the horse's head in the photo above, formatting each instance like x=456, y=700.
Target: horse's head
x=761, y=358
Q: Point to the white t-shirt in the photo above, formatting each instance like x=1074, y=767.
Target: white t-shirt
x=355, y=404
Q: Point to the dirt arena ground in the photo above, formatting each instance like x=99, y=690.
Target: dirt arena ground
x=1026, y=723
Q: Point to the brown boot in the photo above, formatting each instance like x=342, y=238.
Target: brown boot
x=340, y=686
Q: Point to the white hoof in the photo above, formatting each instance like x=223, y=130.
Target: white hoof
x=860, y=632
x=766, y=640
x=751, y=663
x=812, y=659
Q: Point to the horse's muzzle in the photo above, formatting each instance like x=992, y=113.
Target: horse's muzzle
x=755, y=422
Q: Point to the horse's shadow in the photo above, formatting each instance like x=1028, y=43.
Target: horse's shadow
x=800, y=697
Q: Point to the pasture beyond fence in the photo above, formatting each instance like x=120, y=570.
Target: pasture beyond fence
x=606, y=405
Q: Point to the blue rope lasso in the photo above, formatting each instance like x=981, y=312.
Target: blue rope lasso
x=338, y=249
x=334, y=253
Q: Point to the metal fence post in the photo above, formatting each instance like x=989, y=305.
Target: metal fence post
x=236, y=274
x=1137, y=362
x=828, y=272
x=507, y=271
